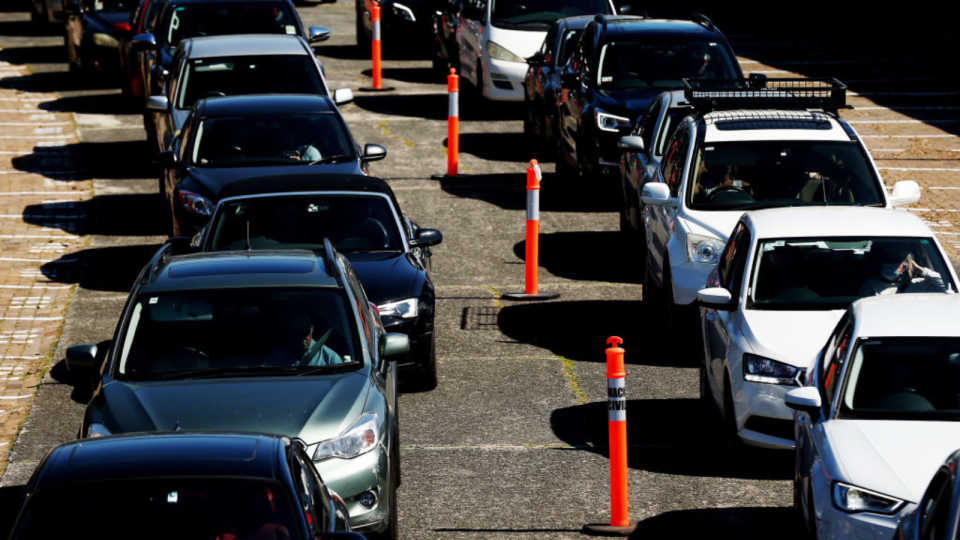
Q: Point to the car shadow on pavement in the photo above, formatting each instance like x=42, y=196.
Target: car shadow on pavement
x=742, y=523
x=95, y=104
x=549, y=325
x=509, y=192
x=59, y=81
x=26, y=28
x=83, y=384
x=671, y=436
x=41, y=54
x=112, y=269
x=434, y=106
x=422, y=75
x=509, y=146
x=135, y=214
x=586, y=255
x=120, y=160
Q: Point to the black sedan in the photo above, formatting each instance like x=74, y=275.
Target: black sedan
x=361, y=217
x=542, y=83
x=179, y=485
x=402, y=22
x=92, y=33
x=225, y=140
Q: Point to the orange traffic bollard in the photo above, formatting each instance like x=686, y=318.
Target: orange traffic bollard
x=375, y=47
x=532, y=255
x=453, y=123
x=620, y=524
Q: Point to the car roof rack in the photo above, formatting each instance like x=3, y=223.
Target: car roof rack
x=707, y=95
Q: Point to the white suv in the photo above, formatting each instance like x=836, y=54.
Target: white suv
x=751, y=144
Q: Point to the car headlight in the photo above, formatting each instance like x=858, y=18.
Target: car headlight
x=196, y=203
x=611, y=122
x=499, y=53
x=764, y=370
x=405, y=309
x=404, y=12
x=854, y=499
x=704, y=249
x=97, y=430
x=357, y=440
x=105, y=40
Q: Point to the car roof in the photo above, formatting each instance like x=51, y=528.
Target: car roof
x=906, y=315
x=244, y=45
x=576, y=23
x=267, y=185
x=834, y=221
x=266, y=104
x=772, y=125
x=159, y=455
x=676, y=99
x=621, y=26
x=240, y=269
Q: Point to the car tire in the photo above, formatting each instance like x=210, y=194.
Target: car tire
x=427, y=375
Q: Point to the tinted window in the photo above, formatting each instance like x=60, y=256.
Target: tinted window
x=310, y=496
x=635, y=64
x=903, y=379
x=568, y=44
x=352, y=223
x=834, y=357
x=159, y=510
x=649, y=122
x=670, y=122
x=733, y=259
x=755, y=174
x=816, y=273
x=236, y=329
x=245, y=75
x=108, y=6
x=675, y=160
x=538, y=14
x=225, y=19
x=243, y=141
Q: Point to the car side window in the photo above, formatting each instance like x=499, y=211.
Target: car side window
x=185, y=138
x=676, y=155
x=646, y=128
x=549, y=45
x=837, y=348
x=309, y=496
x=728, y=259
x=363, y=306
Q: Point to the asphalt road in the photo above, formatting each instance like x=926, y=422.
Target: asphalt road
x=512, y=442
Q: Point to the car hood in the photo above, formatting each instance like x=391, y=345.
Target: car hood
x=713, y=223
x=627, y=103
x=103, y=22
x=894, y=457
x=523, y=43
x=386, y=276
x=311, y=408
x=211, y=181
x=794, y=337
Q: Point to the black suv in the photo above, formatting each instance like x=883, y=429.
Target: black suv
x=621, y=65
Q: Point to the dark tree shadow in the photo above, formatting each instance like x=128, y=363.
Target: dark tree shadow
x=140, y=214
x=742, y=523
x=587, y=256
x=671, y=436
x=434, y=106
x=112, y=269
x=423, y=75
x=60, y=81
x=509, y=191
x=40, y=54
x=28, y=29
x=121, y=160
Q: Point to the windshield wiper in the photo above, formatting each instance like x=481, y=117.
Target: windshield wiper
x=331, y=159
x=332, y=368
x=368, y=250
x=211, y=373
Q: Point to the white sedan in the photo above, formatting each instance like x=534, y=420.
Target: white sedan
x=783, y=281
x=880, y=415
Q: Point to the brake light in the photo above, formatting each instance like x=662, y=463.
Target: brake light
x=121, y=27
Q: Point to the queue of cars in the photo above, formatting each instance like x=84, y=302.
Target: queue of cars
x=765, y=225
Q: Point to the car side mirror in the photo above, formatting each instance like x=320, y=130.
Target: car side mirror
x=181, y=245
x=426, y=238
x=805, y=399
x=716, y=298
x=83, y=357
x=569, y=80
x=393, y=344
x=657, y=194
x=904, y=192
x=537, y=59
x=630, y=143
x=373, y=152
x=166, y=159
x=342, y=96
x=157, y=103
x=143, y=42
x=624, y=9
x=318, y=34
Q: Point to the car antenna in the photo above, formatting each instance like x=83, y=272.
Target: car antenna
x=248, y=238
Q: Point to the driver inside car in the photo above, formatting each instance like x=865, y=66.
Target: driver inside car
x=713, y=177
x=298, y=347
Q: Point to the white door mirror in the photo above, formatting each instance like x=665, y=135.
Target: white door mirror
x=904, y=192
x=657, y=194
x=342, y=96
x=630, y=143
x=157, y=103
x=805, y=399
x=716, y=298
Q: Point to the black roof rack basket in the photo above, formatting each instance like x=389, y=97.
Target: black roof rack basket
x=829, y=95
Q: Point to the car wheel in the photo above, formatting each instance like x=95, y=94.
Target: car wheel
x=427, y=375
x=733, y=442
x=364, y=43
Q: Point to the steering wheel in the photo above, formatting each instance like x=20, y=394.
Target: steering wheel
x=182, y=358
x=725, y=189
x=214, y=93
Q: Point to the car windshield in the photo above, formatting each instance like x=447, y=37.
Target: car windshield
x=903, y=378
x=641, y=64
x=822, y=274
x=159, y=509
x=236, y=331
x=230, y=18
x=538, y=14
x=750, y=175
x=352, y=223
x=109, y=6
x=246, y=75
x=257, y=140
